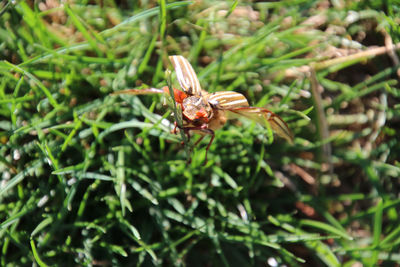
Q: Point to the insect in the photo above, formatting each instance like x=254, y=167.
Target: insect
x=204, y=112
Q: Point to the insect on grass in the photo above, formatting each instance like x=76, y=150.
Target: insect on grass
x=204, y=113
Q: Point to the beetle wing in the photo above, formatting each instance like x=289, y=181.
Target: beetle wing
x=227, y=100
x=263, y=116
x=186, y=76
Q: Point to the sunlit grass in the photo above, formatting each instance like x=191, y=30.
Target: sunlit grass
x=90, y=178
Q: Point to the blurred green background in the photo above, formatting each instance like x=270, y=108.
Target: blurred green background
x=92, y=179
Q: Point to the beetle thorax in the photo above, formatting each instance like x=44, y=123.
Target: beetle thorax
x=195, y=108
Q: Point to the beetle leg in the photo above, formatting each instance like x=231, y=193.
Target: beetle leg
x=199, y=140
x=204, y=129
x=209, y=144
x=186, y=130
x=174, y=131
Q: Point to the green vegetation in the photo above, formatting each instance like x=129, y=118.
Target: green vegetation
x=93, y=179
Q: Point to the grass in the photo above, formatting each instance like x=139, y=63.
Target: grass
x=93, y=179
